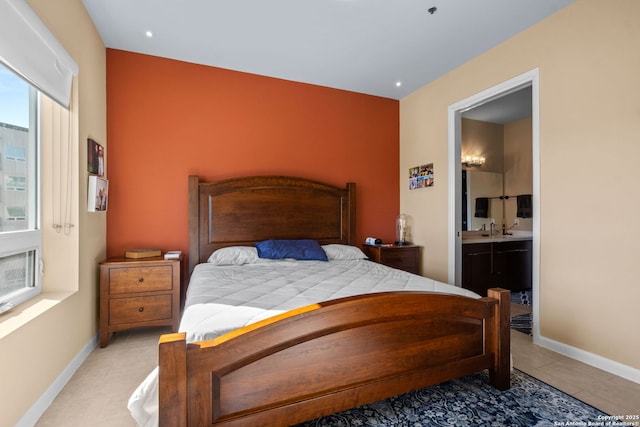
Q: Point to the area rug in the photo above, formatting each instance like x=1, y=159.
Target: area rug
x=522, y=297
x=522, y=323
x=470, y=401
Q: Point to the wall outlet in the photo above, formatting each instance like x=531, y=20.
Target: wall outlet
x=516, y=221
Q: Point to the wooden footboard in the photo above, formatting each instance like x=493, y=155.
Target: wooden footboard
x=332, y=356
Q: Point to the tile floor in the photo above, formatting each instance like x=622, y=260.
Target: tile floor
x=97, y=394
x=607, y=392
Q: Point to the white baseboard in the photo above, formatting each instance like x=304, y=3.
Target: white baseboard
x=608, y=365
x=30, y=418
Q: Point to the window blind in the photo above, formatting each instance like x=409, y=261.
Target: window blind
x=31, y=50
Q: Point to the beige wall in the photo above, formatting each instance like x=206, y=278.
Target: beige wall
x=508, y=152
x=589, y=126
x=483, y=139
x=518, y=173
x=484, y=184
x=38, y=340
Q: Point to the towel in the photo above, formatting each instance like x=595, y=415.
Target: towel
x=524, y=206
x=482, y=207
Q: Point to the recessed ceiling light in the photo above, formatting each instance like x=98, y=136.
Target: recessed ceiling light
x=149, y=34
x=398, y=83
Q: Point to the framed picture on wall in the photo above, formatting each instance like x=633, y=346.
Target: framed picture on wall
x=95, y=158
x=421, y=176
x=98, y=194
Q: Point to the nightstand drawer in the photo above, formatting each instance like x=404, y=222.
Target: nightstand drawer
x=139, y=309
x=405, y=257
x=401, y=259
x=140, y=279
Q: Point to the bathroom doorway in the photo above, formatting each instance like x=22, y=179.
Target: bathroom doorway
x=511, y=101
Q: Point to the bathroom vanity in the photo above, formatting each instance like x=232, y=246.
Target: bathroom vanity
x=496, y=261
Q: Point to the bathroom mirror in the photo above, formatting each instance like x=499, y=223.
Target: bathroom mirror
x=481, y=184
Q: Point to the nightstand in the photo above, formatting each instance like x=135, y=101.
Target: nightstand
x=139, y=292
x=405, y=257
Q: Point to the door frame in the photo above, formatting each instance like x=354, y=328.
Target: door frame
x=530, y=78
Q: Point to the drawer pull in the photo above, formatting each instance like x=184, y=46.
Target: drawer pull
x=141, y=309
x=140, y=279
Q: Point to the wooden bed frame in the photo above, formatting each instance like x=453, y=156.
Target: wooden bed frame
x=327, y=357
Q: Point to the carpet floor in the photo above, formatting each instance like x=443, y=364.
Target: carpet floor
x=470, y=401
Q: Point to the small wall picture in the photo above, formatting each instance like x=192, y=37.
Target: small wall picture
x=95, y=158
x=98, y=196
x=421, y=176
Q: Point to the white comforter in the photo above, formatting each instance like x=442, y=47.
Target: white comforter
x=223, y=298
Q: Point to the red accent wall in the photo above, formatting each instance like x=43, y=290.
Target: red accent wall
x=168, y=119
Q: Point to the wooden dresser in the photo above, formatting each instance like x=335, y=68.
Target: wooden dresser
x=405, y=257
x=138, y=292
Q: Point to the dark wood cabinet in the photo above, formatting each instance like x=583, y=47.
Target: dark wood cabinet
x=477, y=267
x=404, y=257
x=512, y=263
x=496, y=264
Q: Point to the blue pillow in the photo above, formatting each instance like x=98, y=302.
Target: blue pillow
x=305, y=249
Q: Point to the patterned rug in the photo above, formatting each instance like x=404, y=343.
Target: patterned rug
x=522, y=298
x=522, y=323
x=470, y=401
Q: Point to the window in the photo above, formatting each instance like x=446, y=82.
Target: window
x=16, y=153
x=16, y=213
x=15, y=183
x=20, y=235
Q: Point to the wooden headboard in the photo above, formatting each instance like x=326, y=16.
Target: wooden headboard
x=242, y=211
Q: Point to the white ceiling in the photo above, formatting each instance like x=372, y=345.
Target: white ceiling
x=504, y=109
x=363, y=46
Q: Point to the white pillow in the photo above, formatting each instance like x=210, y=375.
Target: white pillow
x=234, y=255
x=343, y=252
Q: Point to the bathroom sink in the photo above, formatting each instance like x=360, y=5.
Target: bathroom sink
x=482, y=236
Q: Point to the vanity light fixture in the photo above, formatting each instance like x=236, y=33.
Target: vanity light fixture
x=473, y=160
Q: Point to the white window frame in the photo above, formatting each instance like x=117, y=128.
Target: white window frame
x=25, y=241
x=29, y=49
